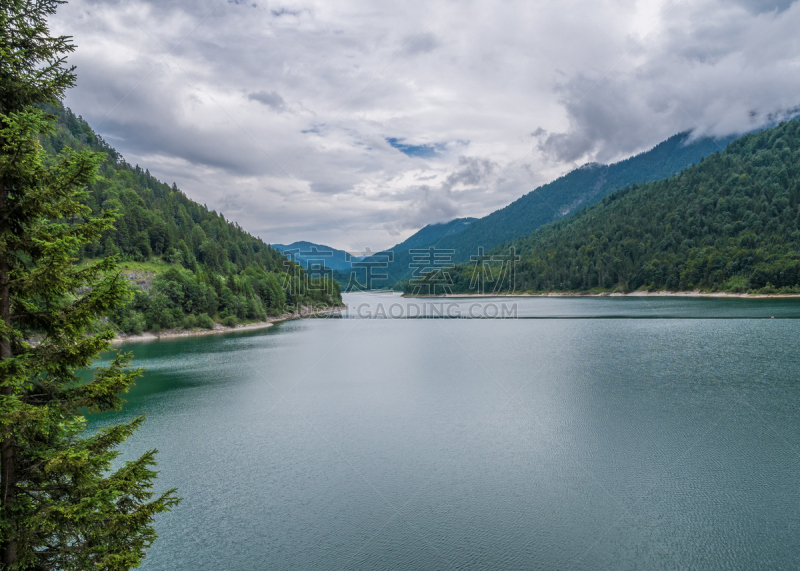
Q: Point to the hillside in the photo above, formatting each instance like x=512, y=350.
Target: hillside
x=303, y=252
x=730, y=223
x=582, y=187
x=433, y=233
x=189, y=265
x=560, y=199
x=348, y=271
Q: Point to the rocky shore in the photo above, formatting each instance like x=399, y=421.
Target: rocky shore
x=219, y=328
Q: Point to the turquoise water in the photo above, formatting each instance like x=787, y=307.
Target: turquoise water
x=603, y=433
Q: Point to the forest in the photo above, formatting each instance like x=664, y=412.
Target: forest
x=204, y=269
x=728, y=224
x=577, y=189
x=555, y=200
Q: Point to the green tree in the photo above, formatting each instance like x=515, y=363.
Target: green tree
x=729, y=223
x=62, y=505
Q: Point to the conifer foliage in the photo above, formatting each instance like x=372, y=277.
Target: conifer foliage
x=64, y=502
x=728, y=224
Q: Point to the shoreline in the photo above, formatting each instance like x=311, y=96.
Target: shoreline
x=219, y=328
x=693, y=294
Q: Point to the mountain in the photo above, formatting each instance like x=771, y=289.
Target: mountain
x=730, y=223
x=303, y=252
x=557, y=200
x=342, y=263
x=187, y=262
x=580, y=188
x=434, y=232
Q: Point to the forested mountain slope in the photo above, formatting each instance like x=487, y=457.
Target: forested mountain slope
x=730, y=223
x=308, y=252
x=342, y=263
x=433, y=233
x=207, y=267
x=560, y=199
x=579, y=188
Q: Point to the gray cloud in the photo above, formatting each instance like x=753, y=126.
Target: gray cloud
x=422, y=43
x=471, y=171
x=285, y=12
x=270, y=99
x=718, y=74
x=759, y=6
x=534, y=88
x=458, y=192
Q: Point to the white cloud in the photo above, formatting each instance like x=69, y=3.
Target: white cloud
x=278, y=114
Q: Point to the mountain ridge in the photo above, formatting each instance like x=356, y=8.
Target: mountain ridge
x=559, y=199
x=200, y=267
x=730, y=223
x=304, y=252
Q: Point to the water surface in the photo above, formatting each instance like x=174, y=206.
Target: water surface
x=615, y=433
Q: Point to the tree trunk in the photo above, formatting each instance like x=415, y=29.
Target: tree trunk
x=7, y=475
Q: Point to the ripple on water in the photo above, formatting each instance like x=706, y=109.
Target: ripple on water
x=482, y=444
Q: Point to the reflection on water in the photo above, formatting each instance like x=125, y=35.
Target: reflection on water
x=625, y=443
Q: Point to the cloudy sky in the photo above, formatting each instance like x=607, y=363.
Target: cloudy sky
x=355, y=123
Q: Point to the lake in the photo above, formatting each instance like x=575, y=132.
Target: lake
x=589, y=433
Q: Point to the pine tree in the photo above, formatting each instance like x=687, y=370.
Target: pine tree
x=63, y=502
